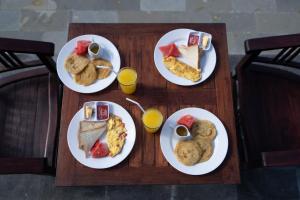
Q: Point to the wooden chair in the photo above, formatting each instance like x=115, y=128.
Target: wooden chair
x=29, y=107
x=269, y=101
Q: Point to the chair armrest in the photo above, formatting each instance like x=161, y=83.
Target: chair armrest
x=26, y=46
x=281, y=158
x=270, y=43
x=8, y=77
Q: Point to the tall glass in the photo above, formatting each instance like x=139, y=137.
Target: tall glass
x=152, y=120
x=127, y=78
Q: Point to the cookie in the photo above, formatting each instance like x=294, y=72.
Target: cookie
x=188, y=152
x=102, y=62
x=75, y=63
x=207, y=149
x=87, y=76
x=204, y=129
x=103, y=73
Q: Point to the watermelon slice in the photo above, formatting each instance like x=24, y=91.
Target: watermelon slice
x=99, y=150
x=169, y=50
x=186, y=120
x=82, y=47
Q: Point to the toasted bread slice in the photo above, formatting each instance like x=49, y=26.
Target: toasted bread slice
x=88, y=125
x=89, y=132
x=190, y=55
x=88, y=138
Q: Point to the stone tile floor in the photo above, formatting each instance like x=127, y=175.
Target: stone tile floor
x=48, y=20
x=276, y=183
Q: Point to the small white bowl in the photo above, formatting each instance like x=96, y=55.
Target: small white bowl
x=188, y=136
x=92, y=54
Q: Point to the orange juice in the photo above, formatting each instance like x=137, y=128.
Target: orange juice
x=127, y=79
x=152, y=120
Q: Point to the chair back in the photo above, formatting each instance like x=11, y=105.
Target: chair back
x=16, y=53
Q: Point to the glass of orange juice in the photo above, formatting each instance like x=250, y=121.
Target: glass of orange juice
x=152, y=120
x=127, y=78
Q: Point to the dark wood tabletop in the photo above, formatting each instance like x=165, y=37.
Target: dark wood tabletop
x=146, y=163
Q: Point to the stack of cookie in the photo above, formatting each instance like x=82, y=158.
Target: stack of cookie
x=200, y=147
x=84, y=71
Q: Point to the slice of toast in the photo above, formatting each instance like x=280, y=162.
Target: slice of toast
x=190, y=55
x=89, y=125
x=89, y=133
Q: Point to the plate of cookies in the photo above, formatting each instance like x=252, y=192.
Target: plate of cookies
x=194, y=141
x=88, y=63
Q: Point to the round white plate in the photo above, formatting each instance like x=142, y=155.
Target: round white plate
x=179, y=37
x=168, y=142
x=110, y=53
x=105, y=162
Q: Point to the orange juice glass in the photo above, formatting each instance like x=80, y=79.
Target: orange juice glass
x=127, y=78
x=152, y=120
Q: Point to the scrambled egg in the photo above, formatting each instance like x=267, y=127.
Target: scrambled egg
x=116, y=135
x=181, y=69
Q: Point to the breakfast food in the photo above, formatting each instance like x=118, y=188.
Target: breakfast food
x=100, y=122
x=181, y=69
x=184, y=60
x=188, y=152
x=82, y=69
x=205, y=39
x=89, y=133
x=204, y=129
x=116, y=135
x=203, y=133
x=88, y=112
x=194, y=38
x=206, y=147
x=101, y=62
x=103, y=72
x=190, y=55
x=82, y=47
x=186, y=120
x=102, y=112
x=99, y=150
x=202, y=39
x=75, y=63
x=87, y=76
x=170, y=50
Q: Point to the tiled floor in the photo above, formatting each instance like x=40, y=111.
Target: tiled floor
x=48, y=20
x=256, y=184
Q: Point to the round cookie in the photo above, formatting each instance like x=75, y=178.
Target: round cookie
x=102, y=73
x=204, y=129
x=87, y=76
x=188, y=152
x=102, y=62
x=207, y=148
x=75, y=64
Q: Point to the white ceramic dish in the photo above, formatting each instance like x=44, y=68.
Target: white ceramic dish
x=109, y=52
x=106, y=162
x=179, y=37
x=168, y=142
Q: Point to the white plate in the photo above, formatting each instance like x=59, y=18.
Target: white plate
x=179, y=37
x=168, y=142
x=110, y=53
x=105, y=162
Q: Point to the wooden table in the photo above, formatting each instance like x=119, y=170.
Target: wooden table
x=146, y=163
